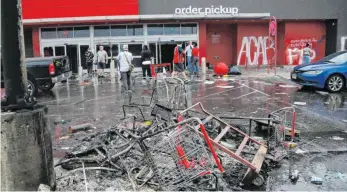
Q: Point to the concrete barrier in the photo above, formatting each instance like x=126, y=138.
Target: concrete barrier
x=26, y=151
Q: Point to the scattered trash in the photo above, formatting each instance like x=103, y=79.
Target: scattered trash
x=234, y=70
x=295, y=175
x=209, y=82
x=299, y=151
x=43, y=187
x=316, y=180
x=288, y=86
x=64, y=137
x=81, y=127
x=337, y=138
x=342, y=176
x=322, y=93
x=61, y=122
x=169, y=151
x=300, y=103
x=225, y=87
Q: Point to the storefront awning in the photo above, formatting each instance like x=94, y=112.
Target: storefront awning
x=134, y=18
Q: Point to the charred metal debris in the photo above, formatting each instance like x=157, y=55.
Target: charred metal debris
x=166, y=145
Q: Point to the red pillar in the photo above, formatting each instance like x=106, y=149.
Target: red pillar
x=202, y=40
x=36, y=41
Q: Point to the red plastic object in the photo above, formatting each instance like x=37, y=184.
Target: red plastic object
x=221, y=69
x=182, y=156
x=153, y=66
x=209, y=143
x=293, y=125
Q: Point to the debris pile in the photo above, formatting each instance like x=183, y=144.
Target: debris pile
x=163, y=147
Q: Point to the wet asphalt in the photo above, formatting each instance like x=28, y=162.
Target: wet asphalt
x=321, y=116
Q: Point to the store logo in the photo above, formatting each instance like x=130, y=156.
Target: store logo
x=207, y=10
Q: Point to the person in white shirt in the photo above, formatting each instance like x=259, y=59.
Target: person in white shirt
x=125, y=58
x=188, y=52
x=101, y=61
x=307, y=54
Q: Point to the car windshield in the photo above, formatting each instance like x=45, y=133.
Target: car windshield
x=336, y=58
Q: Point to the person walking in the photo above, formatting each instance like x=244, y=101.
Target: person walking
x=195, y=59
x=125, y=58
x=178, y=61
x=188, y=52
x=146, y=61
x=101, y=60
x=307, y=54
x=89, y=56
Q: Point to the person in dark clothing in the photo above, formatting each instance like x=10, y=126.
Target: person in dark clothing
x=146, y=55
x=89, y=60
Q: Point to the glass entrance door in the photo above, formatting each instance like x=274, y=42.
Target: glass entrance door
x=83, y=49
x=73, y=54
x=153, y=47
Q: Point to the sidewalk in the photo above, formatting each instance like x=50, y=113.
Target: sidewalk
x=264, y=72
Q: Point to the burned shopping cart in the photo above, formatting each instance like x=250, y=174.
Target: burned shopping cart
x=181, y=157
x=144, y=91
x=253, y=164
x=284, y=130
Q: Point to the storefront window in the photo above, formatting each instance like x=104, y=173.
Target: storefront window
x=119, y=30
x=66, y=32
x=81, y=32
x=48, y=33
x=188, y=29
x=172, y=29
x=155, y=29
x=59, y=50
x=48, y=51
x=101, y=31
x=135, y=30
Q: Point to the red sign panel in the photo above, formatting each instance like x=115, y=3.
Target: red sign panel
x=39, y=9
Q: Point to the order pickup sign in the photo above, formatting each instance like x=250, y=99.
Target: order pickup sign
x=213, y=10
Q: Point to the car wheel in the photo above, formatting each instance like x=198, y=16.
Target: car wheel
x=335, y=83
x=47, y=86
x=32, y=89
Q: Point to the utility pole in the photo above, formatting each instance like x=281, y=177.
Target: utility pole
x=26, y=145
x=14, y=71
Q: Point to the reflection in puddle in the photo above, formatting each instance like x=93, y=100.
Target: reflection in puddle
x=334, y=102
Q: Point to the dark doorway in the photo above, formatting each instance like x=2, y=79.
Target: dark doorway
x=107, y=48
x=167, y=50
x=83, y=50
x=331, y=36
x=73, y=57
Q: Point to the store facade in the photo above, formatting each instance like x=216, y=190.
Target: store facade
x=233, y=32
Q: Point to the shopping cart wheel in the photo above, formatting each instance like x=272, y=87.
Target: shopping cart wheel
x=259, y=181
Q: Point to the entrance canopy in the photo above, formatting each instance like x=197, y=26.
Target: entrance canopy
x=136, y=18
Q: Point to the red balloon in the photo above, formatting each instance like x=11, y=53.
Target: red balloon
x=221, y=69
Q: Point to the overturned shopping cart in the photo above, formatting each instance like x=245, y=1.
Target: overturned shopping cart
x=181, y=156
x=254, y=166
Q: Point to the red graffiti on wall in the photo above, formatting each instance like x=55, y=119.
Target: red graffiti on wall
x=294, y=49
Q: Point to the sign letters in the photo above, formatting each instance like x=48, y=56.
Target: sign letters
x=213, y=10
